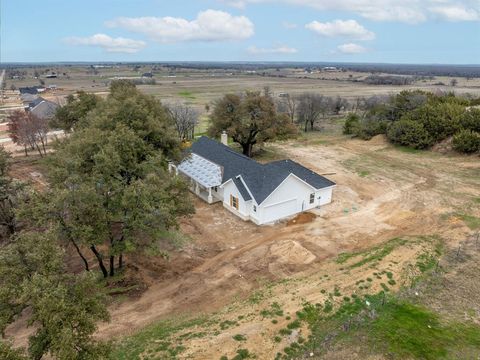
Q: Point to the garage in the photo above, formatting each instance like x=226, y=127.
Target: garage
x=280, y=210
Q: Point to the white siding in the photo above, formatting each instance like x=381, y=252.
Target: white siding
x=291, y=197
x=231, y=189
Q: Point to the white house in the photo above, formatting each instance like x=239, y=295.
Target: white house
x=262, y=193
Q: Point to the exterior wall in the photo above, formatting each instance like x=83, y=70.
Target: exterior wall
x=243, y=207
x=291, y=197
x=325, y=195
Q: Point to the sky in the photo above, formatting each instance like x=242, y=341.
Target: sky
x=373, y=31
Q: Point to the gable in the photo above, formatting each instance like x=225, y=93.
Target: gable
x=292, y=187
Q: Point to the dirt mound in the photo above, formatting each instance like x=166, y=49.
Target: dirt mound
x=302, y=218
x=379, y=140
x=443, y=146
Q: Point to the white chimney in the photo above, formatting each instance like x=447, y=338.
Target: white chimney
x=224, y=138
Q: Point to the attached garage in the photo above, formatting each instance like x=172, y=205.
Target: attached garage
x=280, y=210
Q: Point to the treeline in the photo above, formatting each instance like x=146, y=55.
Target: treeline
x=109, y=195
x=389, y=80
x=419, y=119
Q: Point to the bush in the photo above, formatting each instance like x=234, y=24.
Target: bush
x=440, y=120
x=467, y=141
x=471, y=120
x=369, y=128
x=351, y=124
x=409, y=133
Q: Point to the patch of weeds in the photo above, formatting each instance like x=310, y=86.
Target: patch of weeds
x=156, y=338
x=224, y=357
x=363, y=173
x=391, y=282
x=243, y=354
x=277, y=339
x=384, y=287
x=472, y=222
x=389, y=275
x=374, y=254
x=256, y=297
x=275, y=310
x=285, y=332
x=328, y=306
x=346, y=299
x=336, y=291
x=239, y=337
x=310, y=313
x=227, y=324
x=274, y=321
x=323, y=291
x=287, y=317
x=241, y=317
x=369, y=279
x=294, y=324
x=187, y=95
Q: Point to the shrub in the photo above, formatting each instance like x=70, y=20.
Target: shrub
x=409, y=133
x=369, y=128
x=466, y=141
x=350, y=127
x=471, y=120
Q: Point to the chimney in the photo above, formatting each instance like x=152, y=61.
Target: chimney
x=224, y=138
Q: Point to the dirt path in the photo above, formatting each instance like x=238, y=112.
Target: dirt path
x=382, y=193
x=403, y=195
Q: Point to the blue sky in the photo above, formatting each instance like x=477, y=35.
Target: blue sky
x=393, y=31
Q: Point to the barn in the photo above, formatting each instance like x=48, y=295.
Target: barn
x=262, y=193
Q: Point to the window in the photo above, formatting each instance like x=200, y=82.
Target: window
x=234, y=202
x=254, y=208
x=215, y=188
x=312, y=198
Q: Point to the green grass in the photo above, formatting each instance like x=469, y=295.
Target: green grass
x=156, y=339
x=400, y=330
x=187, y=95
x=376, y=253
x=472, y=222
x=363, y=173
x=239, y=337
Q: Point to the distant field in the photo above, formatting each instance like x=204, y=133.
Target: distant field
x=199, y=87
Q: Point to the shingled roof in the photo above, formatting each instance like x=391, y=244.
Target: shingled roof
x=260, y=179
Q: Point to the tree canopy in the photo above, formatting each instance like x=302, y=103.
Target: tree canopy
x=249, y=119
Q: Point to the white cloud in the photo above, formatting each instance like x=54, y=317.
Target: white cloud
x=351, y=48
x=210, y=25
x=341, y=28
x=456, y=13
x=119, y=44
x=275, y=50
x=407, y=11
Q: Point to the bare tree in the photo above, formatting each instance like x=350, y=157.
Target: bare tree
x=29, y=131
x=185, y=118
x=310, y=107
x=339, y=104
x=288, y=104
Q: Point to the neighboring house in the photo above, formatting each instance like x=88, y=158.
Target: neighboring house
x=262, y=193
x=41, y=108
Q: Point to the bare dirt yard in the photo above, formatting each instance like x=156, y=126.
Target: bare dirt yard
x=383, y=193
x=231, y=271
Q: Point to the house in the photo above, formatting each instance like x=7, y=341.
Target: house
x=41, y=108
x=262, y=193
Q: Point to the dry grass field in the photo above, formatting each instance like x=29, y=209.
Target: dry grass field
x=234, y=289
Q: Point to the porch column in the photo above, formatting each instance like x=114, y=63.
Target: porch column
x=197, y=188
x=210, y=198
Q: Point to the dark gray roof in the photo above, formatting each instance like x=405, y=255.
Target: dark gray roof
x=44, y=109
x=261, y=179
